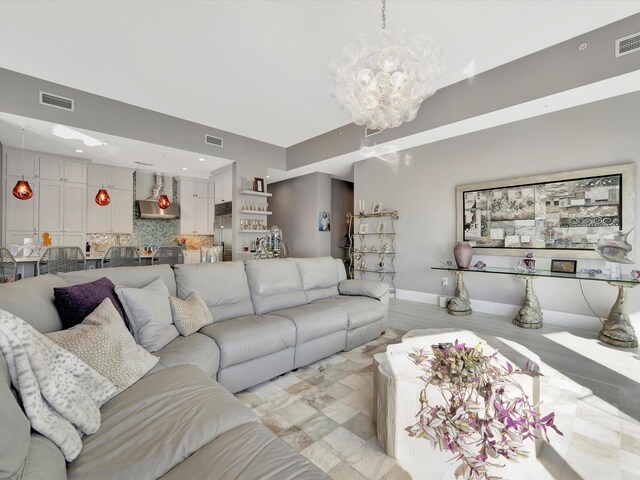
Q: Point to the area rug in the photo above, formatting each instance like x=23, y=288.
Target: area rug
x=324, y=412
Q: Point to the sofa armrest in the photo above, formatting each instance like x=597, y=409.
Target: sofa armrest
x=365, y=288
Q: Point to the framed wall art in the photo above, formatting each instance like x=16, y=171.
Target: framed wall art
x=558, y=215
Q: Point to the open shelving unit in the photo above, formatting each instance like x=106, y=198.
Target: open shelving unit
x=377, y=257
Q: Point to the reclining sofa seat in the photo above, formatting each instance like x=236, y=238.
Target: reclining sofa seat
x=253, y=348
x=176, y=422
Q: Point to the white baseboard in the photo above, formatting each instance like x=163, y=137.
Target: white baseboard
x=505, y=310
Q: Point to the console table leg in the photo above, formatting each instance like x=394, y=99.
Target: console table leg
x=460, y=304
x=617, y=329
x=530, y=315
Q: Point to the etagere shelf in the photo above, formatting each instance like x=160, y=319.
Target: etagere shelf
x=377, y=258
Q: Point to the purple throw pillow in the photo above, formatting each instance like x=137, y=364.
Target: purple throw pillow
x=76, y=302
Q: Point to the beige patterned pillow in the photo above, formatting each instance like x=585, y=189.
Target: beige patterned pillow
x=190, y=315
x=103, y=342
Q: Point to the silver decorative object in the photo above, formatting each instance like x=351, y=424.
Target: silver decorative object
x=530, y=315
x=616, y=249
x=460, y=304
x=617, y=329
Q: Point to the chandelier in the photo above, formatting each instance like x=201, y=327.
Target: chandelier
x=382, y=84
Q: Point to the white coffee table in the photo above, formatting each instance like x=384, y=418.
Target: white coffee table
x=396, y=401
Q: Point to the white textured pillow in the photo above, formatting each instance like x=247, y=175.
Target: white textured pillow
x=190, y=315
x=149, y=314
x=103, y=342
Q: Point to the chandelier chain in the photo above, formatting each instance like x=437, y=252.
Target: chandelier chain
x=384, y=14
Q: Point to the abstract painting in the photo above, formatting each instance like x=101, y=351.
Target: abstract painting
x=553, y=213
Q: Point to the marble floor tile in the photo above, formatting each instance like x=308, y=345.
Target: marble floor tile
x=357, y=381
x=298, y=440
x=339, y=390
x=339, y=412
x=396, y=473
x=342, y=442
x=361, y=425
x=287, y=380
x=297, y=412
x=319, y=455
x=277, y=424
x=371, y=461
x=319, y=426
x=342, y=471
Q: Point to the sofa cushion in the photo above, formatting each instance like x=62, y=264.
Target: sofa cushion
x=44, y=461
x=223, y=287
x=157, y=423
x=319, y=277
x=248, y=452
x=315, y=320
x=74, y=303
x=14, y=427
x=189, y=315
x=361, y=310
x=135, y=277
x=197, y=349
x=366, y=288
x=103, y=342
x=149, y=314
x=274, y=284
x=254, y=336
x=31, y=299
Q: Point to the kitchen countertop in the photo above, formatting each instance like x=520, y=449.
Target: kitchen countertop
x=90, y=257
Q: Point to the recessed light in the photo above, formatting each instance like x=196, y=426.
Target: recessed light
x=184, y=168
x=79, y=151
x=267, y=176
x=201, y=159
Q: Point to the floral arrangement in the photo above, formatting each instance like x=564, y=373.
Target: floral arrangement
x=484, y=417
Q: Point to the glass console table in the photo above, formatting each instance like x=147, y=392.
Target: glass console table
x=616, y=330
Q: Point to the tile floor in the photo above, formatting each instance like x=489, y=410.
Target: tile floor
x=324, y=412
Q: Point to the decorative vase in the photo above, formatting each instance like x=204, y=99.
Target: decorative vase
x=463, y=252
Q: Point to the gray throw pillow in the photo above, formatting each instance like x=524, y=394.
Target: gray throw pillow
x=103, y=342
x=149, y=313
x=190, y=315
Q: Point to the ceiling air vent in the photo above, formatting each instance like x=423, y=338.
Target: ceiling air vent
x=211, y=140
x=628, y=44
x=144, y=164
x=56, y=101
x=368, y=132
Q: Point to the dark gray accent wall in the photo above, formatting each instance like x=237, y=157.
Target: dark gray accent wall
x=341, y=204
x=19, y=95
x=553, y=70
x=420, y=183
x=296, y=204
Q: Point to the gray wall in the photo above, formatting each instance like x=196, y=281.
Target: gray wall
x=552, y=70
x=296, y=204
x=420, y=183
x=341, y=204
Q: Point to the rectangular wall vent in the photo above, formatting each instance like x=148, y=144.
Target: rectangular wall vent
x=56, y=101
x=211, y=140
x=368, y=132
x=628, y=44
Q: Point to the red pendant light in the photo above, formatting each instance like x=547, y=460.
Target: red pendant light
x=22, y=190
x=163, y=202
x=102, y=198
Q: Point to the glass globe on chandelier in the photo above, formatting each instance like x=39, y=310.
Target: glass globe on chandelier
x=22, y=190
x=382, y=84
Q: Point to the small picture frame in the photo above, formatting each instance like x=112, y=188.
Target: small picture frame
x=258, y=184
x=377, y=208
x=363, y=228
x=563, y=266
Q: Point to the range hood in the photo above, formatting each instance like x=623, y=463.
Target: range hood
x=149, y=208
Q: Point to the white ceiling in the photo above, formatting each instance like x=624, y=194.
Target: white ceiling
x=117, y=151
x=259, y=68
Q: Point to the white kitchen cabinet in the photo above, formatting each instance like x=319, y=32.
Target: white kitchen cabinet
x=211, y=216
x=117, y=217
x=74, y=240
x=193, y=188
x=74, y=215
x=111, y=177
x=17, y=237
x=50, y=206
x=191, y=256
x=200, y=215
x=223, y=186
x=98, y=218
x=193, y=215
x=121, y=211
x=55, y=168
x=18, y=164
x=187, y=204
